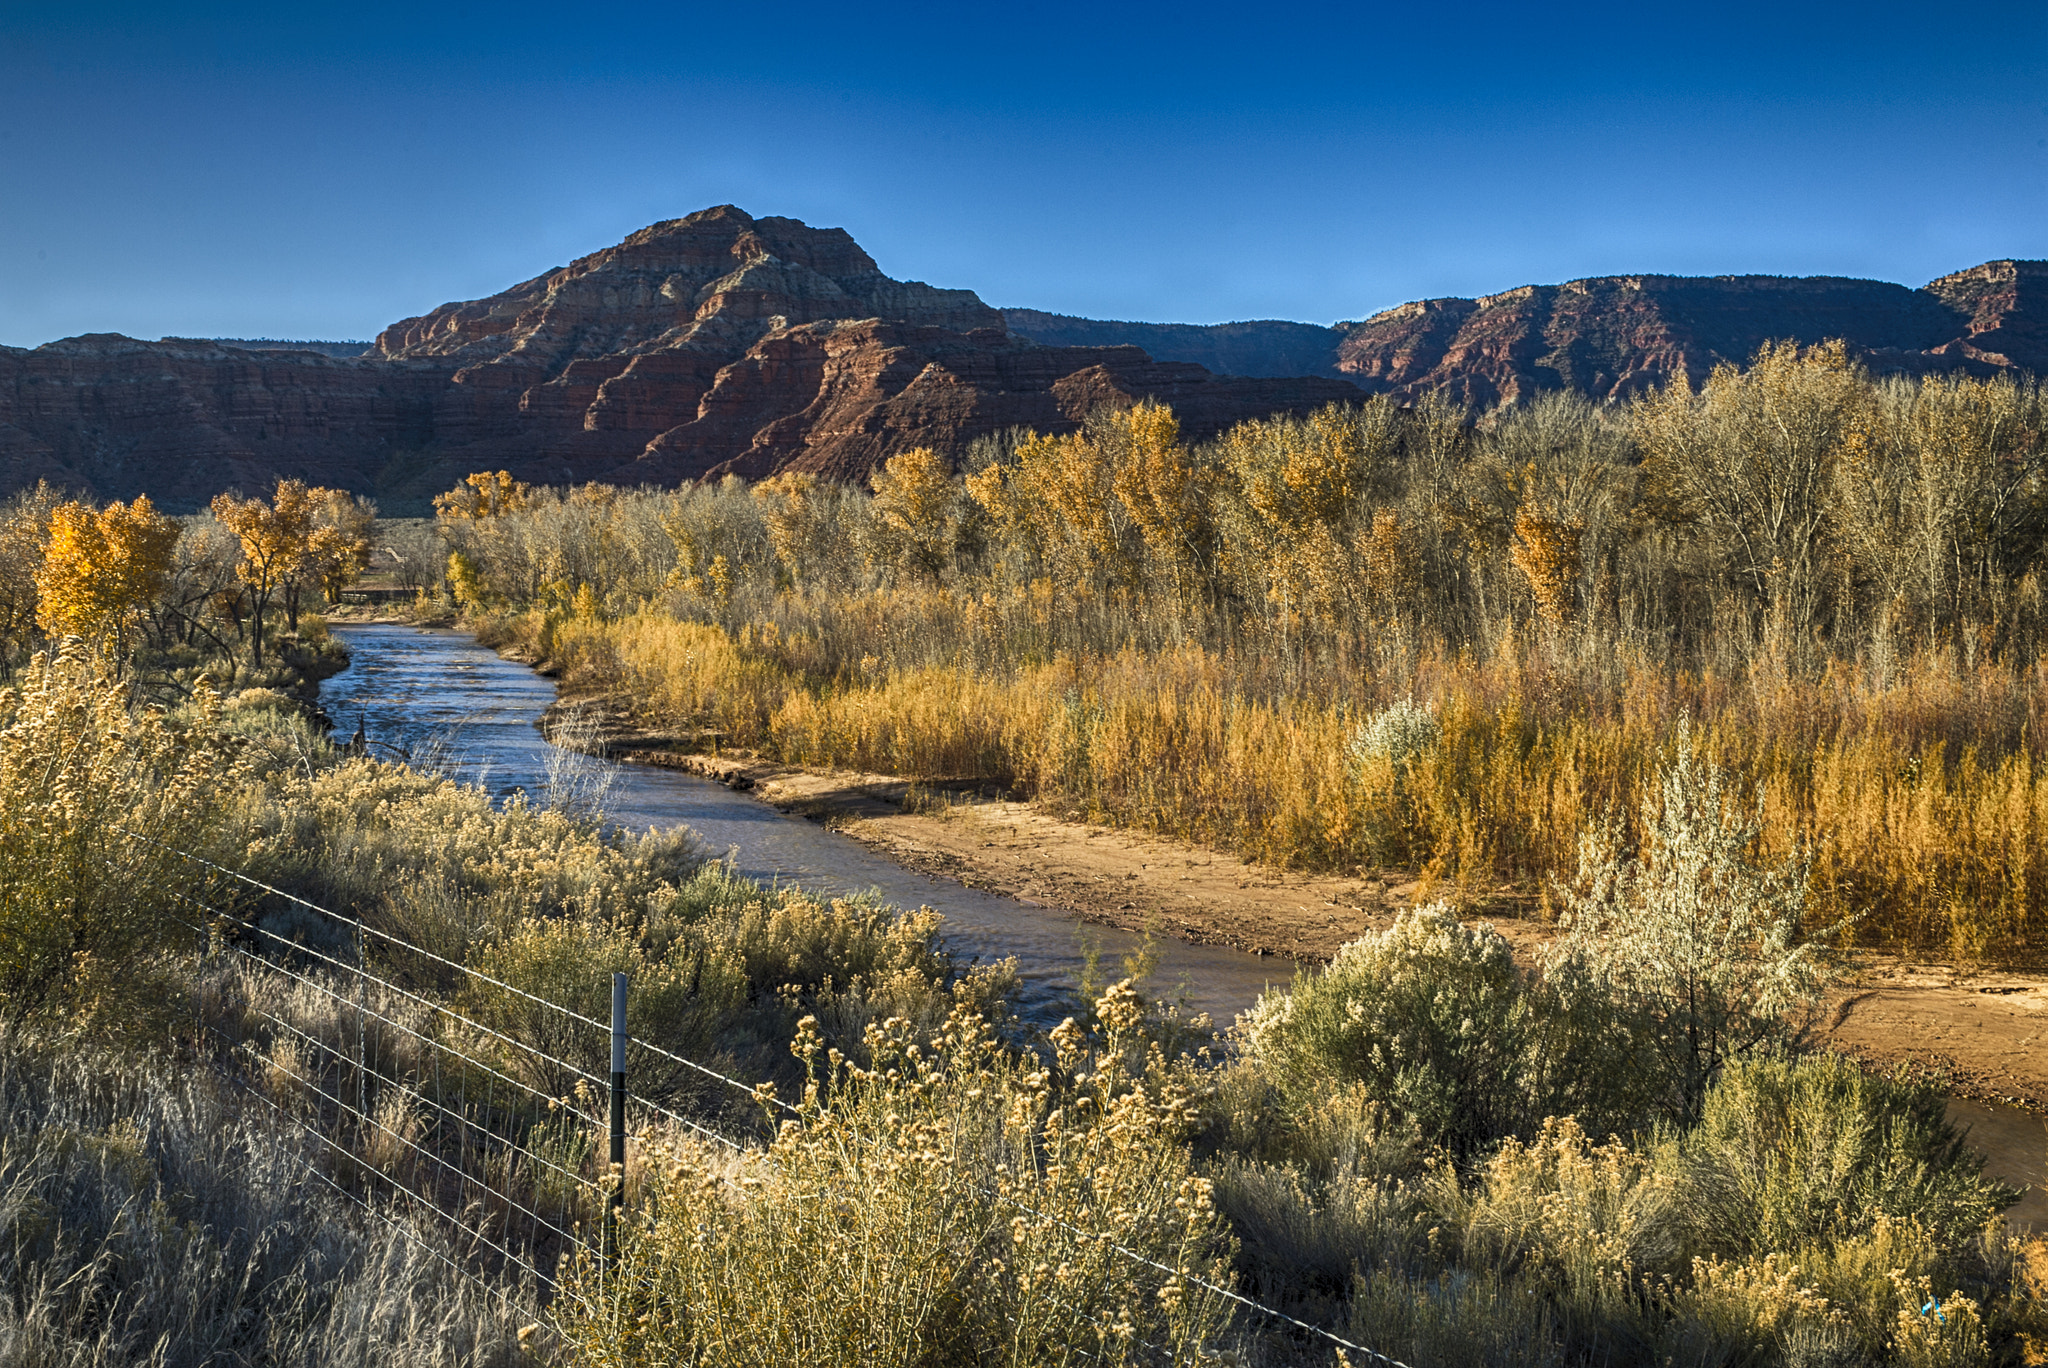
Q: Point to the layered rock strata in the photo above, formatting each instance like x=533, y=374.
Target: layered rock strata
x=1613, y=336
x=722, y=343
x=1617, y=335
x=705, y=345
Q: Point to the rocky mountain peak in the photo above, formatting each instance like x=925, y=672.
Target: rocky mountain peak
x=711, y=279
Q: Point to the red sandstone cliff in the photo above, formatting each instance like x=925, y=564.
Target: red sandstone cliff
x=182, y=420
x=1616, y=335
x=718, y=342
x=724, y=343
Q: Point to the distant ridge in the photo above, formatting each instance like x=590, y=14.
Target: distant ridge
x=725, y=344
x=343, y=349
x=712, y=345
x=1609, y=337
x=1265, y=347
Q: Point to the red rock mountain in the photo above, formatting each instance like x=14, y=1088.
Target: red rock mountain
x=711, y=344
x=1616, y=335
x=725, y=343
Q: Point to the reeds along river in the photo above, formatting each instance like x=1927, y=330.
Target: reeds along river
x=437, y=698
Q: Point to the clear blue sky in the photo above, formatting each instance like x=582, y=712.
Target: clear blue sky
x=278, y=170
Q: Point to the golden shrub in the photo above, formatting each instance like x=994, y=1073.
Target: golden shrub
x=1546, y=551
x=947, y=1203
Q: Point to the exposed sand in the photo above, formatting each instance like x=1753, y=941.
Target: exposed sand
x=1989, y=1031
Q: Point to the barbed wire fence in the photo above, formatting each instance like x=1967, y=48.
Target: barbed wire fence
x=514, y=1151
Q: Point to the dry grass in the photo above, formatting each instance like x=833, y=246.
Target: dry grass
x=1922, y=798
x=151, y=1221
x=1838, y=580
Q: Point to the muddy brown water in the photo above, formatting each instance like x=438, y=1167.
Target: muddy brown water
x=2015, y=1146
x=438, y=696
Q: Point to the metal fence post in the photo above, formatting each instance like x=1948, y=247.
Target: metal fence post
x=618, y=1116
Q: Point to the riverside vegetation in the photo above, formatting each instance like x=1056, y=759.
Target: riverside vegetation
x=1613, y=1157
x=1616, y=1154
x=1835, y=580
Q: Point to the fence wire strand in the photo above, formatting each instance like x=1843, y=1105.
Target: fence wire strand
x=410, y=1235
x=462, y=1174
x=441, y=1046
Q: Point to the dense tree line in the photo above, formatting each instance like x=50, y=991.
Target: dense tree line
x=203, y=588
x=1797, y=506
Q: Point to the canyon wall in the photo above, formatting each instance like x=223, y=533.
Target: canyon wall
x=1613, y=336
x=1617, y=335
x=718, y=343
x=725, y=344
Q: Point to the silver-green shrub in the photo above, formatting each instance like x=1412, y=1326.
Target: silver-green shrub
x=1790, y=1152
x=1397, y=734
x=1432, y=1017
x=1701, y=952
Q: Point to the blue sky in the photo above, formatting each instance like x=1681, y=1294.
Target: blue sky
x=239, y=170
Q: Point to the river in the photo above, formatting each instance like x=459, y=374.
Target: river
x=438, y=696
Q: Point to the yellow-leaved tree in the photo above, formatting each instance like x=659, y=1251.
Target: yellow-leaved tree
x=1169, y=494
x=274, y=545
x=102, y=568
x=483, y=495
x=338, y=547
x=1304, y=495
x=916, y=511
x=789, y=505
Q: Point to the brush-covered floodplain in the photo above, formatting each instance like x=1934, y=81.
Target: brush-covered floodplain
x=1619, y=1156
x=1725, y=682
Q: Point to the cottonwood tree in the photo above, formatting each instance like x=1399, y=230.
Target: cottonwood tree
x=205, y=594
x=721, y=539
x=1302, y=498
x=338, y=546
x=1057, y=495
x=916, y=511
x=483, y=495
x=1169, y=492
x=102, y=569
x=1551, y=484
x=273, y=536
x=1944, y=498
x=1750, y=459
x=417, y=551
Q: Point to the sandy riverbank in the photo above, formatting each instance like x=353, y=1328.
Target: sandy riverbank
x=1987, y=1030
